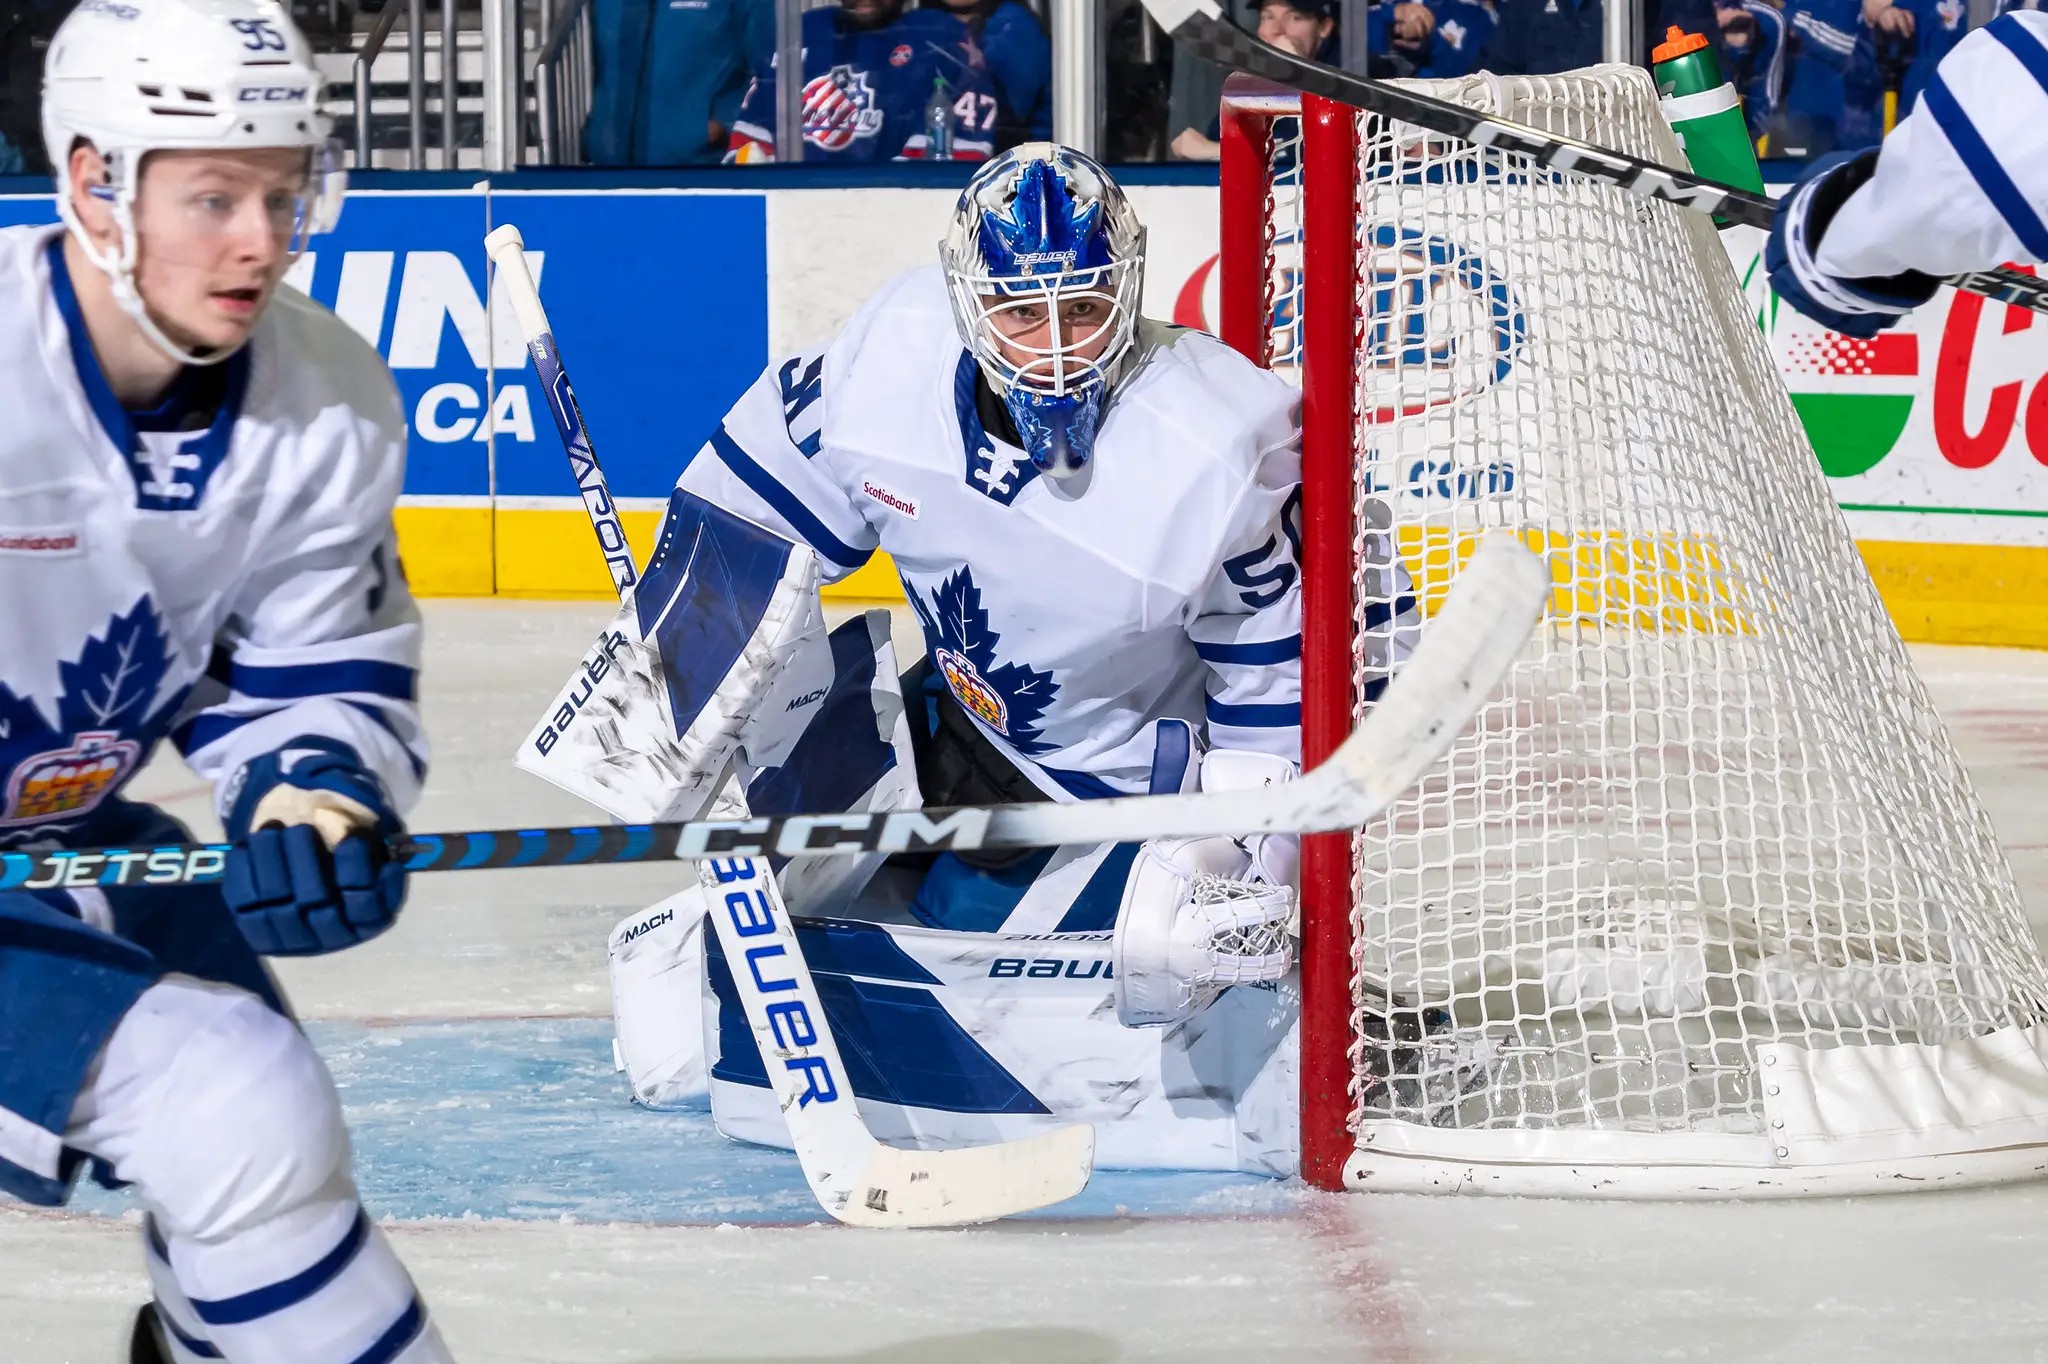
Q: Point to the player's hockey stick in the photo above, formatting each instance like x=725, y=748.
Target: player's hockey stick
x=507, y=250
x=1471, y=641
x=1200, y=28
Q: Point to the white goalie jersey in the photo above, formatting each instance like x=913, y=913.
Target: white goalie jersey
x=1067, y=618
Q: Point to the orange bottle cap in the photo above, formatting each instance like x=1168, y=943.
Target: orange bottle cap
x=1677, y=42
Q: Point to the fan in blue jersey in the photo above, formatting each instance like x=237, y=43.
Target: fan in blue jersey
x=1960, y=185
x=879, y=85
x=1753, y=50
x=1045, y=265
x=199, y=468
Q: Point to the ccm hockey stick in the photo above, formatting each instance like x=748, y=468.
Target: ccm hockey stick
x=1200, y=27
x=507, y=250
x=854, y=1177
x=1471, y=642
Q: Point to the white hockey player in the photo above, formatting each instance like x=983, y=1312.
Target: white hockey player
x=198, y=470
x=1095, y=519
x=1960, y=185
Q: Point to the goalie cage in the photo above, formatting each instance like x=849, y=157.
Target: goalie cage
x=1704, y=904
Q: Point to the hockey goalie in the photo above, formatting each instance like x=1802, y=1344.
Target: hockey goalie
x=1095, y=519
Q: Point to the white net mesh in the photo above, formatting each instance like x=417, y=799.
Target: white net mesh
x=1713, y=807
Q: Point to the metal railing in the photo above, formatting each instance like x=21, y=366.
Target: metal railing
x=563, y=74
x=415, y=82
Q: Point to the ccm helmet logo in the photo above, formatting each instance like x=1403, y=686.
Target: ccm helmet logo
x=272, y=94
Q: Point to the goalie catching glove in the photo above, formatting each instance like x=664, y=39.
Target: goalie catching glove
x=1200, y=915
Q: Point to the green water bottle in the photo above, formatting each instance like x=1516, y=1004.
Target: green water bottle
x=1703, y=110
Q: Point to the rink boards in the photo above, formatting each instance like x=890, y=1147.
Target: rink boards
x=669, y=300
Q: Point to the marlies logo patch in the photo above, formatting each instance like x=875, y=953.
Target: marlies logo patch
x=50, y=541
x=69, y=781
x=895, y=502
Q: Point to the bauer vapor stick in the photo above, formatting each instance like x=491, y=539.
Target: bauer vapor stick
x=507, y=250
x=1471, y=642
x=1200, y=27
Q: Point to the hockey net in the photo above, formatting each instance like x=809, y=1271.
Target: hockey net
x=1704, y=903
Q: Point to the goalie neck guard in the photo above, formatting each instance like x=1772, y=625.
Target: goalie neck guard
x=1045, y=264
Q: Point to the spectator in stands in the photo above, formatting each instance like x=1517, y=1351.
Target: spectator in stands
x=1753, y=51
x=1540, y=37
x=1306, y=27
x=1019, y=58
x=1909, y=37
x=1440, y=38
x=1834, y=95
x=880, y=84
x=1197, y=93
x=670, y=77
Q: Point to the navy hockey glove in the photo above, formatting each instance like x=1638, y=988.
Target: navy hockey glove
x=310, y=872
x=1854, y=307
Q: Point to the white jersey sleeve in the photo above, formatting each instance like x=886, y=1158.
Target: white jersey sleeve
x=762, y=463
x=1247, y=620
x=323, y=637
x=1962, y=183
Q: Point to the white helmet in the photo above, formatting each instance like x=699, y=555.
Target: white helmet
x=137, y=76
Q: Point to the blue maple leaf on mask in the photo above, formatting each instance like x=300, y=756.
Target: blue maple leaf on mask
x=1045, y=230
x=1008, y=697
x=111, y=683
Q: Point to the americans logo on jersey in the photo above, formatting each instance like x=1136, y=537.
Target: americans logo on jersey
x=839, y=107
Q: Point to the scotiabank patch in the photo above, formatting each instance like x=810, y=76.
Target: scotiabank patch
x=895, y=502
x=50, y=542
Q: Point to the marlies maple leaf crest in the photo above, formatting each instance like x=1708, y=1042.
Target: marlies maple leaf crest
x=107, y=721
x=1007, y=697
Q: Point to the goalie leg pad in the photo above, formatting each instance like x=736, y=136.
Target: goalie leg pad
x=1190, y=927
x=957, y=1039
x=658, y=992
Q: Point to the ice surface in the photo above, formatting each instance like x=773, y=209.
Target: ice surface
x=550, y=1221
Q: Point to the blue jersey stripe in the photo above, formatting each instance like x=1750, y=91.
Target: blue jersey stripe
x=262, y=1302
x=301, y=681
x=1378, y=613
x=1254, y=652
x=787, y=504
x=1977, y=158
x=1250, y=715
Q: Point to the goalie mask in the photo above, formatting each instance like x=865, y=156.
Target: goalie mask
x=1045, y=262
x=132, y=77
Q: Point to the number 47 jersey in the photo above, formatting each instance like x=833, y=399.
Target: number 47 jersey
x=1067, y=617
